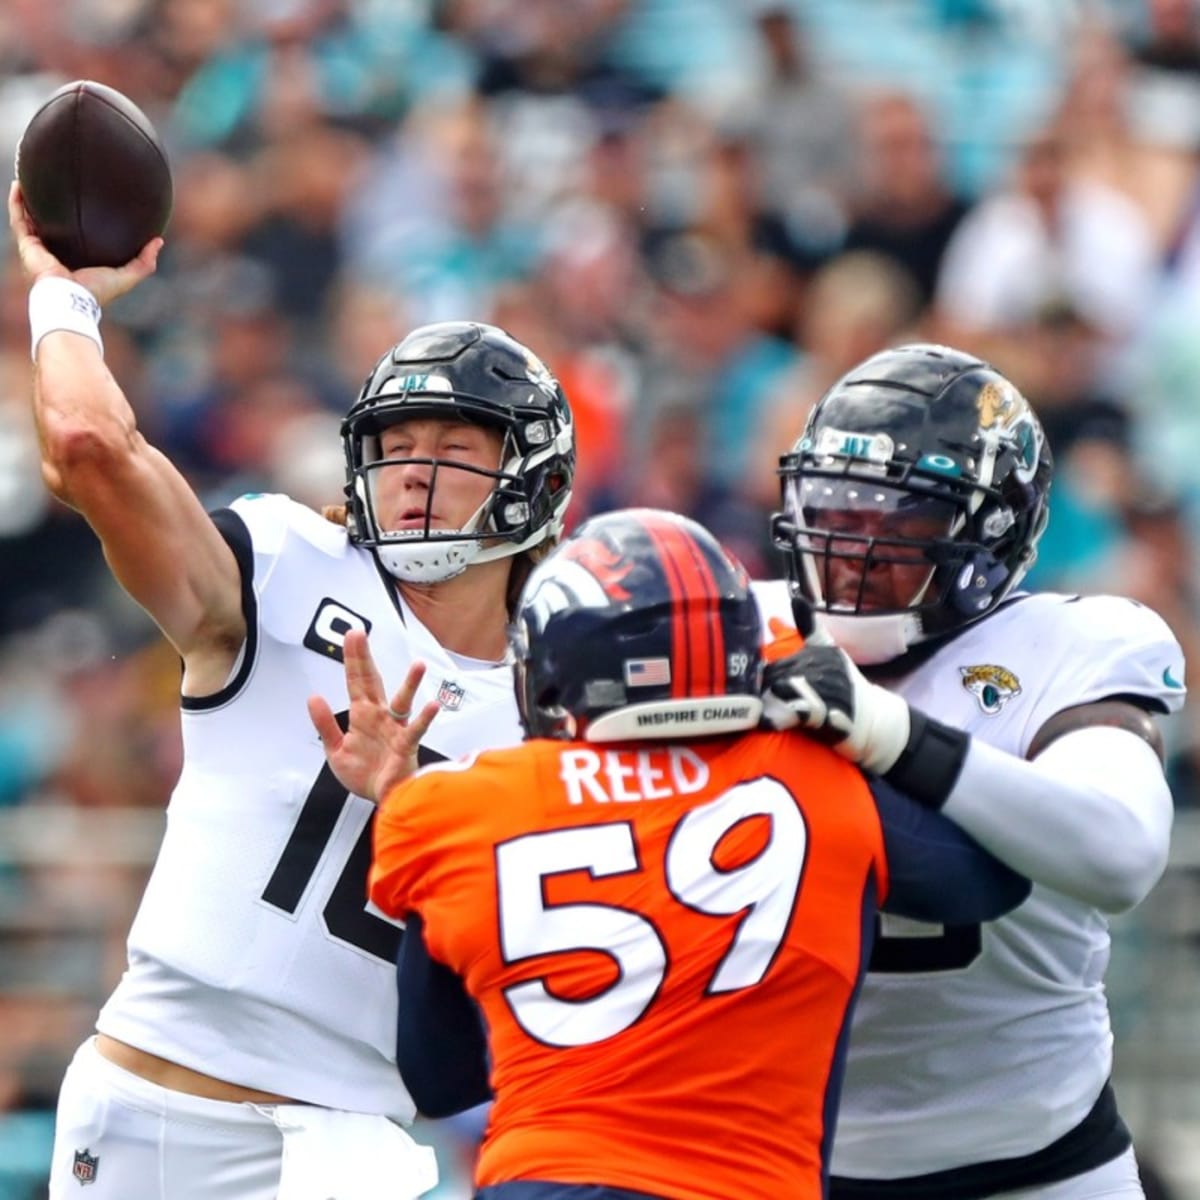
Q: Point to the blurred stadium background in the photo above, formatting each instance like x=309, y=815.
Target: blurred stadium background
x=699, y=212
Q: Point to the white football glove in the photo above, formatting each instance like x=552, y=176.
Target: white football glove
x=820, y=689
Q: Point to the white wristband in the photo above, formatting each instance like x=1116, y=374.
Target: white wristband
x=58, y=303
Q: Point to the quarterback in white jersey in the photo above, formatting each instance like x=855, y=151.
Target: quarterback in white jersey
x=248, y=1051
x=278, y=850
x=979, y=1055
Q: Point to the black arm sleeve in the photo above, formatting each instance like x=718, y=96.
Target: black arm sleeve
x=441, y=1047
x=938, y=873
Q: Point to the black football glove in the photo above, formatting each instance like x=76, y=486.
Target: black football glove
x=820, y=689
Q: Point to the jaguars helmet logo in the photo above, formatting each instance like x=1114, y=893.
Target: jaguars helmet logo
x=539, y=374
x=1000, y=404
x=992, y=686
x=1005, y=416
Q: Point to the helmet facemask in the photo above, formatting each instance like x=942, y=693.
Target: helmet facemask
x=869, y=547
x=478, y=375
x=892, y=557
x=921, y=455
x=498, y=528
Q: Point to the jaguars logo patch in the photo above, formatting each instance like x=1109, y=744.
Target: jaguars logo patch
x=992, y=686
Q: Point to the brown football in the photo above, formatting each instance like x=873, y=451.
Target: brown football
x=94, y=176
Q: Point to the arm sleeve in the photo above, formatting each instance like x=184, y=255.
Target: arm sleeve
x=937, y=873
x=441, y=1048
x=1090, y=816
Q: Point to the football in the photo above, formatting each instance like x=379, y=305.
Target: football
x=94, y=176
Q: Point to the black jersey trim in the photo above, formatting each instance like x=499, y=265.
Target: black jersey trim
x=1151, y=704
x=1099, y=1138
x=233, y=529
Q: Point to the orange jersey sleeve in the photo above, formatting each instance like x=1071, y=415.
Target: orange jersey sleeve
x=665, y=942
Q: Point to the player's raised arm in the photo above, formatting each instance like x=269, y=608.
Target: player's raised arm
x=157, y=537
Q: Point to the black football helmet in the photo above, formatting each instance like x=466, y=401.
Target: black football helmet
x=480, y=374
x=920, y=436
x=640, y=625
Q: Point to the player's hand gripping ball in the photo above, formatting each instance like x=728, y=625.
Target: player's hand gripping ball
x=94, y=176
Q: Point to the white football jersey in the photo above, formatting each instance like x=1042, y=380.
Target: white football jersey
x=986, y=1042
x=254, y=957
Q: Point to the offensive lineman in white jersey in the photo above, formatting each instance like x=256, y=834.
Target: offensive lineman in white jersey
x=979, y=1056
x=248, y=1052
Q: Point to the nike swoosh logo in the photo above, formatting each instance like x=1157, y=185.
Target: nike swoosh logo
x=1169, y=680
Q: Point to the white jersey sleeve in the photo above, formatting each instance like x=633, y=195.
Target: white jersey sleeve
x=1098, y=647
x=1091, y=816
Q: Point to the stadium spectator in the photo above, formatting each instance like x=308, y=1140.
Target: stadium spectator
x=453, y=242
x=1049, y=237
x=705, y=349
x=800, y=118
x=857, y=303
x=902, y=207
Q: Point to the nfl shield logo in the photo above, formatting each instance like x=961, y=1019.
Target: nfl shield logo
x=450, y=695
x=85, y=1166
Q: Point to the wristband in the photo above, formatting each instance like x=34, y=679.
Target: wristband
x=929, y=765
x=58, y=303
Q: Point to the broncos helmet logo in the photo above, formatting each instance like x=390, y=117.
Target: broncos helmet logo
x=601, y=561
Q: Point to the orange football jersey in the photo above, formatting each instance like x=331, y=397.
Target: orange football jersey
x=664, y=940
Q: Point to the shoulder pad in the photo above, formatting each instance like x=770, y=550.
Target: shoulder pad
x=1116, y=646
x=272, y=518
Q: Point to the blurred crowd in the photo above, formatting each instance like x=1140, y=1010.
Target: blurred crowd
x=699, y=212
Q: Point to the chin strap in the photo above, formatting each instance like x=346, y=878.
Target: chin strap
x=427, y=562
x=872, y=641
